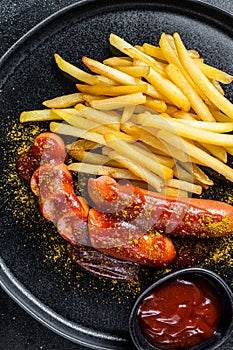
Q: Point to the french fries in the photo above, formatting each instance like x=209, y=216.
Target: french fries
x=102, y=170
x=40, y=115
x=119, y=101
x=201, y=80
x=132, y=151
x=74, y=71
x=155, y=114
x=184, y=130
x=64, y=101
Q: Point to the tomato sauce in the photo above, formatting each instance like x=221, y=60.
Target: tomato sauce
x=180, y=313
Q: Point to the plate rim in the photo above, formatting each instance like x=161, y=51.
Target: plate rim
x=10, y=284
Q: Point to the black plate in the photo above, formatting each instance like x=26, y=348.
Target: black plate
x=36, y=270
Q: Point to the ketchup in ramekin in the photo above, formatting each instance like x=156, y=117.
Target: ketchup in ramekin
x=186, y=309
x=180, y=313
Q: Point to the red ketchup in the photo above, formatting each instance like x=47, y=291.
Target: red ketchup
x=180, y=313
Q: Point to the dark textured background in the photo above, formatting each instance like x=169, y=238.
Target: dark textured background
x=18, y=330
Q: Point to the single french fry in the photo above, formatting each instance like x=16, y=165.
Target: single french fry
x=134, y=71
x=185, y=186
x=93, y=158
x=38, y=116
x=118, y=61
x=171, y=110
x=208, y=126
x=103, y=80
x=199, y=155
x=168, y=89
x=74, y=71
x=138, y=170
x=154, y=51
x=119, y=101
x=183, y=130
x=175, y=192
x=112, y=73
x=65, y=129
x=182, y=174
x=156, y=105
x=196, y=101
x=214, y=73
x=217, y=151
x=201, y=177
x=64, y=101
x=117, y=173
x=131, y=151
x=87, y=98
x=201, y=80
x=195, y=55
x=219, y=116
x=141, y=109
x=217, y=86
x=82, y=145
x=111, y=90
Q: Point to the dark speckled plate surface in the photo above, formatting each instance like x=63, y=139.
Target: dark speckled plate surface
x=35, y=268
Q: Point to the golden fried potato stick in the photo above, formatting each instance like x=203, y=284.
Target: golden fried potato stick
x=111, y=90
x=184, y=185
x=82, y=145
x=182, y=115
x=154, y=51
x=119, y=101
x=117, y=173
x=93, y=158
x=199, y=176
x=39, y=115
x=74, y=71
x=214, y=73
x=134, y=71
x=208, y=126
x=64, y=101
x=112, y=73
x=156, y=105
x=118, y=61
x=217, y=151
